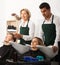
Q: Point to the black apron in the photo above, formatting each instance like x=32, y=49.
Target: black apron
x=24, y=31
x=49, y=33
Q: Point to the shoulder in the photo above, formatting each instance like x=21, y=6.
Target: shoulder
x=20, y=22
x=56, y=19
x=31, y=23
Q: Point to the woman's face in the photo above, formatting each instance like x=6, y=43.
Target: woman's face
x=34, y=43
x=24, y=15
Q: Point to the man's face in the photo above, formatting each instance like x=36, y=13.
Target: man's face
x=45, y=12
x=8, y=38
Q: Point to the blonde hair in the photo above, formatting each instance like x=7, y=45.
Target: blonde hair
x=27, y=11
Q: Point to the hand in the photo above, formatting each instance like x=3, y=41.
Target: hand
x=16, y=16
x=54, y=48
x=13, y=14
x=16, y=35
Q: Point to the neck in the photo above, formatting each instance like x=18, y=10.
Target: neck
x=34, y=49
x=24, y=20
x=47, y=18
x=6, y=43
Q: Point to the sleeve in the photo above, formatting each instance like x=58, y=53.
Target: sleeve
x=41, y=33
x=31, y=26
x=19, y=25
x=57, y=23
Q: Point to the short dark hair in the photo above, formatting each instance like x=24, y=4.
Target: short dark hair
x=40, y=42
x=44, y=5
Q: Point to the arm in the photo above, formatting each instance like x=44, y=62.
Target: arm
x=31, y=26
x=29, y=37
x=41, y=33
x=57, y=23
x=16, y=16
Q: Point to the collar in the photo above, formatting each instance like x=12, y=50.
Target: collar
x=24, y=23
x=48, y=21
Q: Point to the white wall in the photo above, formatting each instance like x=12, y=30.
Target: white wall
x=9, y=6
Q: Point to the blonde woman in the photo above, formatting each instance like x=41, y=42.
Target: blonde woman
x=26, y=27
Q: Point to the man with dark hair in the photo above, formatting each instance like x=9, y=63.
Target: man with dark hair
x=50, y=28
x=46, y=5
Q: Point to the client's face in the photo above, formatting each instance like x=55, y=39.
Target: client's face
x=8, y=38
x=34, y=43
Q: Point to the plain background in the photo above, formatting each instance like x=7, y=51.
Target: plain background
x=14, y=6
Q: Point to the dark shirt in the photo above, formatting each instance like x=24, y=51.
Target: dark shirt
x=6, y=52
x=32, y=53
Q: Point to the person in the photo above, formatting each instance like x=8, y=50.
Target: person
x=9, y=37
x=26, y=27
x=7, y=50
x=34, y=50
x=49, y=31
